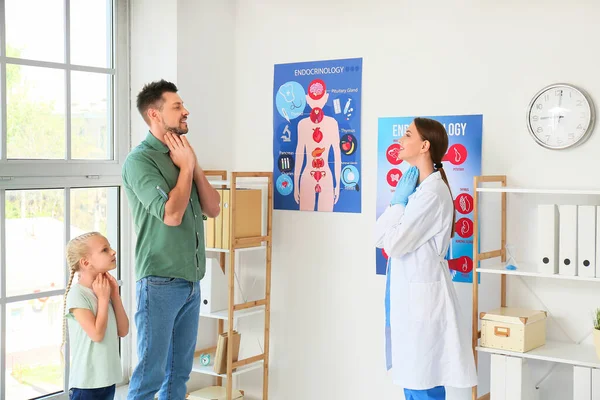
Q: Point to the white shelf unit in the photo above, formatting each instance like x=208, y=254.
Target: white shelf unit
x=208, y=369
x=226, y=251
x=507, y=189
x=582, y=355
x=224, y=314
x=526, y=270
x=240, y=180
x=557, y=352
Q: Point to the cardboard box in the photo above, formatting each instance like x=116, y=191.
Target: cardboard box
x=247, y=218
x=513, y=329
x=220, y=366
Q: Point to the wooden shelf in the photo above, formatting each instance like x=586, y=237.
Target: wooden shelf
x=224, y=314
x=215, y=250
x=583, y=355
x=238, y=199
x=209, y=369
x=241, y=184
x=527, y=270
x=507, y=189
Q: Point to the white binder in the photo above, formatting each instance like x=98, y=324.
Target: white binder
x=582, y=383
x=567, y=248
x=498, y=377
x=511, y=379
x=595, y=384
x=547, y=259
x=598, y=239
x=514, y=378
x=586, y=241
x=213, y=288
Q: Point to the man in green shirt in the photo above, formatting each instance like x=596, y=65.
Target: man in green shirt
x=168, y=193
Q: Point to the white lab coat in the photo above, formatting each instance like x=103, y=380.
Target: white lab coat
x=429, y=348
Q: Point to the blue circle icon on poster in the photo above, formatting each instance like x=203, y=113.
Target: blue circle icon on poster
x=290, y=100
x=350, y=177
x=284, y=185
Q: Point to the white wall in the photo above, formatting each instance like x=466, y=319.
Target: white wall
x=429, y=58
x=146, y=39
x=205, y=58
x=153, y=52
x=190, y=43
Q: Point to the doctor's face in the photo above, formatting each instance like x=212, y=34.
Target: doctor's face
x=411, y=144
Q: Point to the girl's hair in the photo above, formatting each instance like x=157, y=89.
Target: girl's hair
x=434, y=132
x=77, y=248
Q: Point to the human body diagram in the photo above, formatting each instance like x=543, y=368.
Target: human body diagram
x=317, y=135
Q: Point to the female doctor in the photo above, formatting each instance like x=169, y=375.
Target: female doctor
x=424, y=344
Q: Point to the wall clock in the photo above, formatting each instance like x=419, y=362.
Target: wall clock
x=561, y=116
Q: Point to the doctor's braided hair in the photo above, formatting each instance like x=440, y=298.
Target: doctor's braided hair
x=434, y=132
x=77, y=248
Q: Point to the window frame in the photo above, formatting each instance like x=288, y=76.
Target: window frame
x=118, y=114
x=70, y=174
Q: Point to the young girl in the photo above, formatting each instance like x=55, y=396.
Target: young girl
x=424, y=343
x=96, y=318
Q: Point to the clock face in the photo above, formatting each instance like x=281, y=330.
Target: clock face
x=560, y=116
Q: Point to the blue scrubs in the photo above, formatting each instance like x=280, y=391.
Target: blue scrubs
x=437, y=393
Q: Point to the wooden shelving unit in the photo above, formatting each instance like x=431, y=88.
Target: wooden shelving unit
x=557, y=352
x=235, y=311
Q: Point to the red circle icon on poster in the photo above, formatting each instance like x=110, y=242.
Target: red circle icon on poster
x=392, y=154
x=393, y=177
x=464, y=203
x=316, y=115
x=457, y=154
x=316, y=89
x=462, y=264
x=464, y=228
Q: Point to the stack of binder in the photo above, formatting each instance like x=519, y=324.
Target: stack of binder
x=568, y=240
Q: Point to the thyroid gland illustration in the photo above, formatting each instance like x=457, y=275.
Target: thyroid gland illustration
x=318, y=136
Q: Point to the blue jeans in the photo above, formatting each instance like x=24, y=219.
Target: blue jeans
x=437, y=393
x=168, y=310
x=105, y=393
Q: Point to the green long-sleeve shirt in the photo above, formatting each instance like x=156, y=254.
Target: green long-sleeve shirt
x=161, y=250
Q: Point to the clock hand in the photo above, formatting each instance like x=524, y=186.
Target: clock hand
x=560, y=98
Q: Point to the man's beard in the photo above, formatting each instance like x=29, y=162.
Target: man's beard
x=176, y=130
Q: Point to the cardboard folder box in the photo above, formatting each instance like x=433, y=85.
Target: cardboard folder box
x=247, y=218
x=220, y=366
x=514, y=329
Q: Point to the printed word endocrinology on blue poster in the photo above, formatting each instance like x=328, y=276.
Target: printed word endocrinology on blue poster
x=462, y=162
x=316, y=136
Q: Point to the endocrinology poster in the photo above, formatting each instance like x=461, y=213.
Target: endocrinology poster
x=316, y=136
x=461, y=163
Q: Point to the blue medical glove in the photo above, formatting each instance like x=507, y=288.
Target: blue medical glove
x=406, y=186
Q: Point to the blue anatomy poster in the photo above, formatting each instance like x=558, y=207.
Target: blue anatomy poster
x=316, y=136
x=462, y=162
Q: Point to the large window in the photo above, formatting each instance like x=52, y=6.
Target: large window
x=63, y=118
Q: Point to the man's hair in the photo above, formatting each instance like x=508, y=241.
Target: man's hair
x=151, y=95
